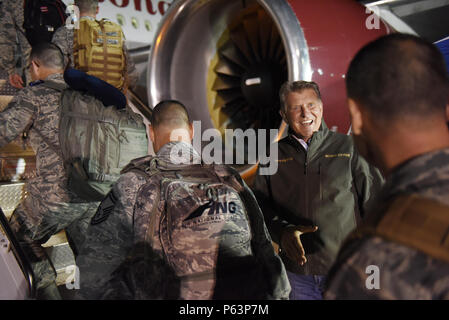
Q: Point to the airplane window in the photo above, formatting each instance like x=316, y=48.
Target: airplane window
x=135, y=22
x=121, y=19
x=148, y=25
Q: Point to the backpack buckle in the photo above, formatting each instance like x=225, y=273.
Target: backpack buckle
x=212, y=194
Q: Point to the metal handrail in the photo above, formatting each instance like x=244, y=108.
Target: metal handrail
x=140, y=105
x=19, y=254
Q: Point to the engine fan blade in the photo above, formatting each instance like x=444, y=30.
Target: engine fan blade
x=265, y=26
x=251, y=26
x=238, y=114
x=240, y=40
x=219, y=102
x=223, y=82
x=283, y=62
x=229, y=51
x=229, y=95
x=275, y=42
x=228, y=68
x=279, y=52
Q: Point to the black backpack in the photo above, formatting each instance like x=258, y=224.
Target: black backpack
x=42, y=18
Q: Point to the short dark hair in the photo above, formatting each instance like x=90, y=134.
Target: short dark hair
x=397, y=75
x=171, y=113
x=87, y=5
x=297, y=86
x=48, y=55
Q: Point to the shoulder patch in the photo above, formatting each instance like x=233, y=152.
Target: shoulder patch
x=104, y=209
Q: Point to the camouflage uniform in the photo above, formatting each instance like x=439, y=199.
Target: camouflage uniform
x=405, y=273
x=63, y=38
x=49, y=206
x=12, y=36
x=116, y=261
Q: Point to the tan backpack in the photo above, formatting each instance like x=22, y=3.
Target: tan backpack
x=98, y=51
x=96, y=142
x=416, y=222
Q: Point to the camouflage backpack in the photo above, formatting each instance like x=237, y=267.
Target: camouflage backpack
x=96, y=142
x=200, y=226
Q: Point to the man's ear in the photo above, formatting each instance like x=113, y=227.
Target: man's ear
x=282, y=113
x=35, y=67
x=447, y=112
x=151, y=133
x=356, y=116
x=191, y=131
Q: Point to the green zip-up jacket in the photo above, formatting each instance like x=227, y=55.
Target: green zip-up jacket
x=328, y=186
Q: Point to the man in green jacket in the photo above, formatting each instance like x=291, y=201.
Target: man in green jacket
x=318, y=195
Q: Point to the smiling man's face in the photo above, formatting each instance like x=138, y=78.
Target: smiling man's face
x=303, y=113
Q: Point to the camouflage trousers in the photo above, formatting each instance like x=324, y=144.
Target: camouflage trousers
x=20, y=61
x=34, y=222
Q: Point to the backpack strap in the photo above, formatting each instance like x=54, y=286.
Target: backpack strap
x=49, y=84
x=416, y=222
x=146, y=165
x=105, y=47
x=149, y=235
x=228, y=175
x=58, y=87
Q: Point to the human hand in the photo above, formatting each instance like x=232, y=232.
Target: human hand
x=291, y=242
x=16, y=81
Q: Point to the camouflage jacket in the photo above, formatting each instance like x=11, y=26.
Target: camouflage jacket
x=12, y=35
x=114, y=260
x=63, y=38
x=404, y=273
x=48, y=197
x=39, y=106
x=49, y=206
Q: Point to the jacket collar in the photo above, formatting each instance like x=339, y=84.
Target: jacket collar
x=178, y=154
x=418, y=172
x=422, y=174
x=315, y=141
x=59, y=77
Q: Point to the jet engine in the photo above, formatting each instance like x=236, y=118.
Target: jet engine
x=226, y=59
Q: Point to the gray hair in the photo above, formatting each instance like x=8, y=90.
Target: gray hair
x=297, y=86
